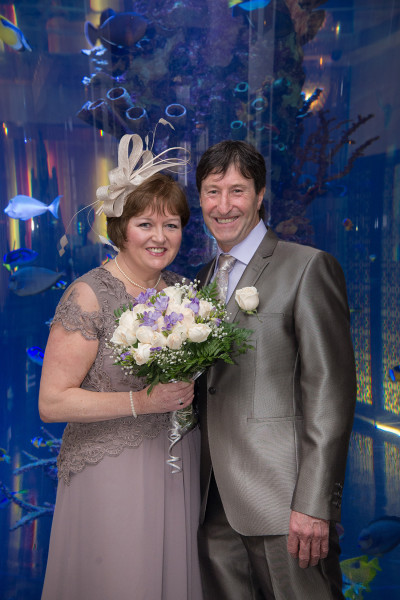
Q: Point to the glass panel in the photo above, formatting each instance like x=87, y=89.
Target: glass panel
x=314, y=85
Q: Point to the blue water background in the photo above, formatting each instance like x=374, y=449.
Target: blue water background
x=47, y=150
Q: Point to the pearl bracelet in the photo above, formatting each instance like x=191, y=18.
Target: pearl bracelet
x=132, y=405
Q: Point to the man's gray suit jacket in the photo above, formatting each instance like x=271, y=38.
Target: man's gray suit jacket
x=276, y=426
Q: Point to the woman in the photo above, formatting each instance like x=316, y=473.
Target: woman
x=124, y=526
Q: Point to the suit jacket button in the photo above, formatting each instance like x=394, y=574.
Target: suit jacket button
x=211, y=390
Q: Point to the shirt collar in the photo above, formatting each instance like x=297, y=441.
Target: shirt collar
x=245, y=250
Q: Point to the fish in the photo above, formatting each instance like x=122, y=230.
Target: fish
x=33, y=280
x=249, y=5
x=290, y=226
x=21, y=256
x=394, y=373
x=4, y=457
x=348, y=224
x=60, y=285
x=353, y=591
x=360, y=570
x=36, y=354
x=25, y=207
x=380, y=536
x=118, y=32
x=6, y=501
x=11, y=35
x=39, y=442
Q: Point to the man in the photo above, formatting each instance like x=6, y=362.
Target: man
x=275, y=426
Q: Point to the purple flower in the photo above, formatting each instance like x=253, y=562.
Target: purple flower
x=144, y=296
x=217, y=322
x=194, y=305
x=171, y=320
x=161, y=303
x=155, y=349
x=150, y=318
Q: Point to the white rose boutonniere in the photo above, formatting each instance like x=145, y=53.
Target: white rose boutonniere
x=248, y=300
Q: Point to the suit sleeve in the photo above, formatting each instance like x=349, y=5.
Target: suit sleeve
x=328, y=387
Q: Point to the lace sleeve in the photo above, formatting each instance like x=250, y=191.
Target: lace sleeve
x=73, y=317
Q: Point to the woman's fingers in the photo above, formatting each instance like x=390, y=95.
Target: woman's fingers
x=171, y=396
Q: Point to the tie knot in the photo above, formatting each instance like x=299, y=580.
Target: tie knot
x=226, y=262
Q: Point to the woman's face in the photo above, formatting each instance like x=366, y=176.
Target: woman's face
x=153, y=241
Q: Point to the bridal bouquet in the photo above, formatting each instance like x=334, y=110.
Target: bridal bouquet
x=176, y=334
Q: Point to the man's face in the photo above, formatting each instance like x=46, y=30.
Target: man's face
x=230, y=206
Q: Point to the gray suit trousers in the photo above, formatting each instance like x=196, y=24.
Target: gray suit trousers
x=237, y=567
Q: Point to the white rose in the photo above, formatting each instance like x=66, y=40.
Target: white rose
x=199, y=333
x=181, y=329
x=139, y=308
x=188, y=316
x=174, y=341
x=145, y=334
x=128, y=321
x=174, y=293
x=123, y=337
x=247, y=298
x=205, y=307
x=141, y=354
x=159, y=340
x=173, y=306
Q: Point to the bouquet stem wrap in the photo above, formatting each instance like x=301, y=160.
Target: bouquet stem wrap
x=182, y=421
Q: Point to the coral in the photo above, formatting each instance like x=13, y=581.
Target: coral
x=49, y=466
x=32, y=511
x=239, y=75
x=317, y=158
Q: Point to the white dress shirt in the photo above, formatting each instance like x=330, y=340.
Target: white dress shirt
x=243, y=252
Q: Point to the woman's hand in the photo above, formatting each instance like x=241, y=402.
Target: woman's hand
x=165, y=397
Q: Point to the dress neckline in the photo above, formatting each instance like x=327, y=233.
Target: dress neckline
x=122, y=284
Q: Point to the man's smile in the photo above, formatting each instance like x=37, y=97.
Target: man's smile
x=226, y=220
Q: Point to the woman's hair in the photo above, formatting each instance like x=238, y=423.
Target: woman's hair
x=160, y=192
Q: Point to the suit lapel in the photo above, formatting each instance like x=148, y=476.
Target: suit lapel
x=254, y=270
x=206, y=273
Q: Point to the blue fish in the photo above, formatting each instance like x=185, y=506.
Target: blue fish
x=117, y=32
x=11, y=35
x=33, y=280
x=21, y=256
x=6, y=501
x=394, y=373
x=249, y=5
x=38, y=442
x=380, y=536
x=36, y=354
x=24, y=207
x=4, y=457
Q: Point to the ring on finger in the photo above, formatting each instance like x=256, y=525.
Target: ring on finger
x=180, y=402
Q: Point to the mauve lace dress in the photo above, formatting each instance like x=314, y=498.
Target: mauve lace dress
x=124, y=526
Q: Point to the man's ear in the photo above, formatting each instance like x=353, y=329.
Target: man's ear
x=260, y=198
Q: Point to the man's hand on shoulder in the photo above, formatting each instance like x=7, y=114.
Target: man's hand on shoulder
x=308, y=539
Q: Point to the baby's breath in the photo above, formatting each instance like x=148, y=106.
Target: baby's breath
x=224, y=341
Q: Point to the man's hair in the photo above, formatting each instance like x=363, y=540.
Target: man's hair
x=160, y=192
x=218, y=158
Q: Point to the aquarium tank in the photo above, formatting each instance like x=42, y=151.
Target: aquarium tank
x=314, y=85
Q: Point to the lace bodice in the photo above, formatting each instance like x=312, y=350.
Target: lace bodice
x=88, y=443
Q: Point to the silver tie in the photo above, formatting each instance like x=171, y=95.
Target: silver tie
x=225, y=266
